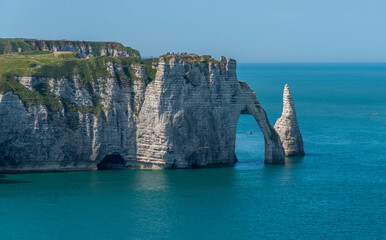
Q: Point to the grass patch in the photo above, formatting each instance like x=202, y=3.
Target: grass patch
x=193, y=58
x=150, y=72
x=47, y=65
x=41, y=95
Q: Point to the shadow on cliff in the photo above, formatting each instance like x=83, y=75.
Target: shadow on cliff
x=5, y=181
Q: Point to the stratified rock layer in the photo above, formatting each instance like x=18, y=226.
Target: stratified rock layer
x=287, y=127
x=186, y=117
x=190, y=113
x=85, y=49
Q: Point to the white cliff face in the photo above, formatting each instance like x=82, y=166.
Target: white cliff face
x=287, y=127
x=190, y=113
x=33, y=138
x=186, y=117
x=87, y=52
x=84, y=49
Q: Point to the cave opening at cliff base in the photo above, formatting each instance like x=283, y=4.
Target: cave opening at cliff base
x=111, y=162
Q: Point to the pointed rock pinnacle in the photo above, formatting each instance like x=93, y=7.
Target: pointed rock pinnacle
x=287, y=127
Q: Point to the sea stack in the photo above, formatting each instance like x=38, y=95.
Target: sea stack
x=287, y=127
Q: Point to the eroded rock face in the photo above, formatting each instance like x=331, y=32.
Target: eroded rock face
x=85, y=49
x=287, y=127
x=186, y=117
x=190, y=113
x=34, y=138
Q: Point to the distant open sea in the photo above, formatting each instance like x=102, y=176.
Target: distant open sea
x=337, y=191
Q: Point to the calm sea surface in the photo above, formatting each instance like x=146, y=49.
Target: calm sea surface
x=337, y=191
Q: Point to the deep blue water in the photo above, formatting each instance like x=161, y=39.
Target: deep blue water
x=337, y=191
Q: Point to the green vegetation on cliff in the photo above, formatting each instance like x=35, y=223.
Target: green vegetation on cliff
x=11, y=45
x=193, y=58
x=46, y=64
x=41, y=95
x=37, y=61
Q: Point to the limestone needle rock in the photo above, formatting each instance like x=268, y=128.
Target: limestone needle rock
x=287, y=127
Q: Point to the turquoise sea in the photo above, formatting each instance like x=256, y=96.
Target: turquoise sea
x=337, y=191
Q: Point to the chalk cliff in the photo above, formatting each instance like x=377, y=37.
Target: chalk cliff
x=85, y=49
x=190, y=113
x=186, y=117
x=287, y=127
x=91, y=122
x=176, y=112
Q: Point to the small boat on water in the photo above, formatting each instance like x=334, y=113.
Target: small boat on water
x=375, y=114
x=250, y=132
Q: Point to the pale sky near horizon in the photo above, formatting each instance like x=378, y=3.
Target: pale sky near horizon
x=249, y=31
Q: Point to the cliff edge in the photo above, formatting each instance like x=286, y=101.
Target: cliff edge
x=85, y=49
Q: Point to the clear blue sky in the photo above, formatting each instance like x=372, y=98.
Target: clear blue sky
x=249, y=31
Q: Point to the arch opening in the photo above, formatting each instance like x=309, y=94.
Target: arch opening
x=250, y=143
x=111, y=162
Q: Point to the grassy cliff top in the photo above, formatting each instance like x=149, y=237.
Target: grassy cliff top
x=64, y=64
x=10, y=45
x=194, y=58
x=67, y=64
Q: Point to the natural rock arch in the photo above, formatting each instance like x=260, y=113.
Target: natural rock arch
x=190, y=114
x=274, y=152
